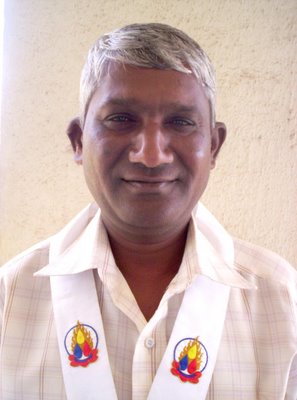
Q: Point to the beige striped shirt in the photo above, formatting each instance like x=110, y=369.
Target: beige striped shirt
x=257, y=355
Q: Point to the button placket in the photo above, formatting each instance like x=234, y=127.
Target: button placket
x=149, y=343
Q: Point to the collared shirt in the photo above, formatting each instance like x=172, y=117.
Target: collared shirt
x=260, y=327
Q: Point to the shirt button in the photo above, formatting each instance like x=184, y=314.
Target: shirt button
x=149, y=343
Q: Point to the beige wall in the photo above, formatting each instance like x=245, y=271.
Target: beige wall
x=252, y=43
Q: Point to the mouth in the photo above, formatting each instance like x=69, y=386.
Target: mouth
x=151, y=185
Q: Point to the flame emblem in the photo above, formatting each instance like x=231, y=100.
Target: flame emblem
x=81, y=344
x=190, y=360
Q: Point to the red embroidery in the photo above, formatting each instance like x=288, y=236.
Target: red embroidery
x=81, y=344
x=93, y=356
x=194, y=378
x=190, y=360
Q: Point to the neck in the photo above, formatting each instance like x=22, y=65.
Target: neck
x=149, y=267
x=155, y=258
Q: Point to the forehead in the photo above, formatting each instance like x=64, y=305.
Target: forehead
x=150, y=88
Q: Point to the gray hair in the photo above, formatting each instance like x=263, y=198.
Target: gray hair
x=151, y=45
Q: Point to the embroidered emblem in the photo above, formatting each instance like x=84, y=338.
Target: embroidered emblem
x=190, y=360
x=81, y=344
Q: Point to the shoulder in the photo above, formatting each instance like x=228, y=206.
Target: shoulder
x=37, y=256
x=261, y=264
x=29, y=261
x=18, y=286
x=273, y=302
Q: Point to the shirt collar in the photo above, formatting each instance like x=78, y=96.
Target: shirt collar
x=209, y=250
x=73, y=256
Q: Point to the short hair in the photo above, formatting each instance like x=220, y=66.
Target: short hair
x=151, y=45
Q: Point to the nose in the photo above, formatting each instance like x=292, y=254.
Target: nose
x=151, y=147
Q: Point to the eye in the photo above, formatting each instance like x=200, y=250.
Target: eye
x=181, y=124
x=119, y=118
x=120, y=121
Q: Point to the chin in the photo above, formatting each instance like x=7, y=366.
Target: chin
x=153, y=220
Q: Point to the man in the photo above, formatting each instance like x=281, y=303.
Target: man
x=144, y=295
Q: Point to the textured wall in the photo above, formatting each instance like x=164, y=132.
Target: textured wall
x=252, y=43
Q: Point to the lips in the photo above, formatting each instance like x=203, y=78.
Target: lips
x=149, y=184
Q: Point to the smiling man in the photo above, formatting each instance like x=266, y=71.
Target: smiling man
x=144, y=295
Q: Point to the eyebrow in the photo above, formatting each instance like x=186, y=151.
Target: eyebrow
x=131, y=102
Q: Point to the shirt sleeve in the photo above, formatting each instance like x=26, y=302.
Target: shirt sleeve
x=291, y=393
x=2, y=297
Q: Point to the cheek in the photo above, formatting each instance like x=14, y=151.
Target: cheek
x=200, y=154
x=97, y=151
x=101, y=157
x=197, y=153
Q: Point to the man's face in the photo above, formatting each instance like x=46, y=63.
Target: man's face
x=148, y=147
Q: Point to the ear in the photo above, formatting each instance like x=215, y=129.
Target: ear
x=218, y=137
x=74, y=133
